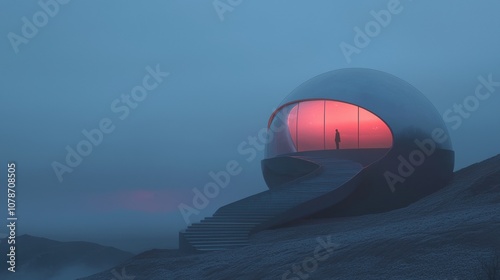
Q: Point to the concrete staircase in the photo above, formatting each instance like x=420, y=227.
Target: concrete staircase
x=231, y=225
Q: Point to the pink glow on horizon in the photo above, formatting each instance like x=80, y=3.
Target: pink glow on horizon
x=150, y=201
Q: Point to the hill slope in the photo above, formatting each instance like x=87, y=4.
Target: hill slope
x=41, y=258
x=444, y=236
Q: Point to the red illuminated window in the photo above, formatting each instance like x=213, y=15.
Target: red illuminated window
x=312, y=126
x=344, y=117
x=292, y=123
x=373, y=132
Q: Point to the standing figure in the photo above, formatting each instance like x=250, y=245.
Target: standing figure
x=337, y=138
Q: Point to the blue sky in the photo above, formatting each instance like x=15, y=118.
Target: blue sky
x=226, y=77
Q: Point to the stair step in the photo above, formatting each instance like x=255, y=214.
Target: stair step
x=218, y=242
x=231, y=225
x=238, y=218
x=199, y=246
x=219, y=239
x=236, y=230
x=214, y=225
x=222, y=234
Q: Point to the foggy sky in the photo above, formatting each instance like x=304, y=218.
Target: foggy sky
x=226, y=77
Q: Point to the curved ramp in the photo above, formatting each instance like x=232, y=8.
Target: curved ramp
x=231, y=225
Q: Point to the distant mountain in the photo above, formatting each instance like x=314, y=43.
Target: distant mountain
x=452, y=234
x=43, y=259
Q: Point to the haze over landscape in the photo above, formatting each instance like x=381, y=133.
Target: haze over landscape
x=225, y=79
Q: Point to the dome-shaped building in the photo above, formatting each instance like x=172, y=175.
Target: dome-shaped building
x=384, y=124
x=347, y=142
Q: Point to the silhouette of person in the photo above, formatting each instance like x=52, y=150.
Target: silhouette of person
x=337, y=138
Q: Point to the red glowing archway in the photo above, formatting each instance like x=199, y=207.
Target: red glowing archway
x=312, y=126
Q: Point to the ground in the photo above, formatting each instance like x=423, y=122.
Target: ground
x=450, y=234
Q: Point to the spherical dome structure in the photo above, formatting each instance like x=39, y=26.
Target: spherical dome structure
x=347, y=142
x=369, y=117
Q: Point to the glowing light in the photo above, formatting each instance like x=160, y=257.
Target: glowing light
x=312, y=126
x=373, y=132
